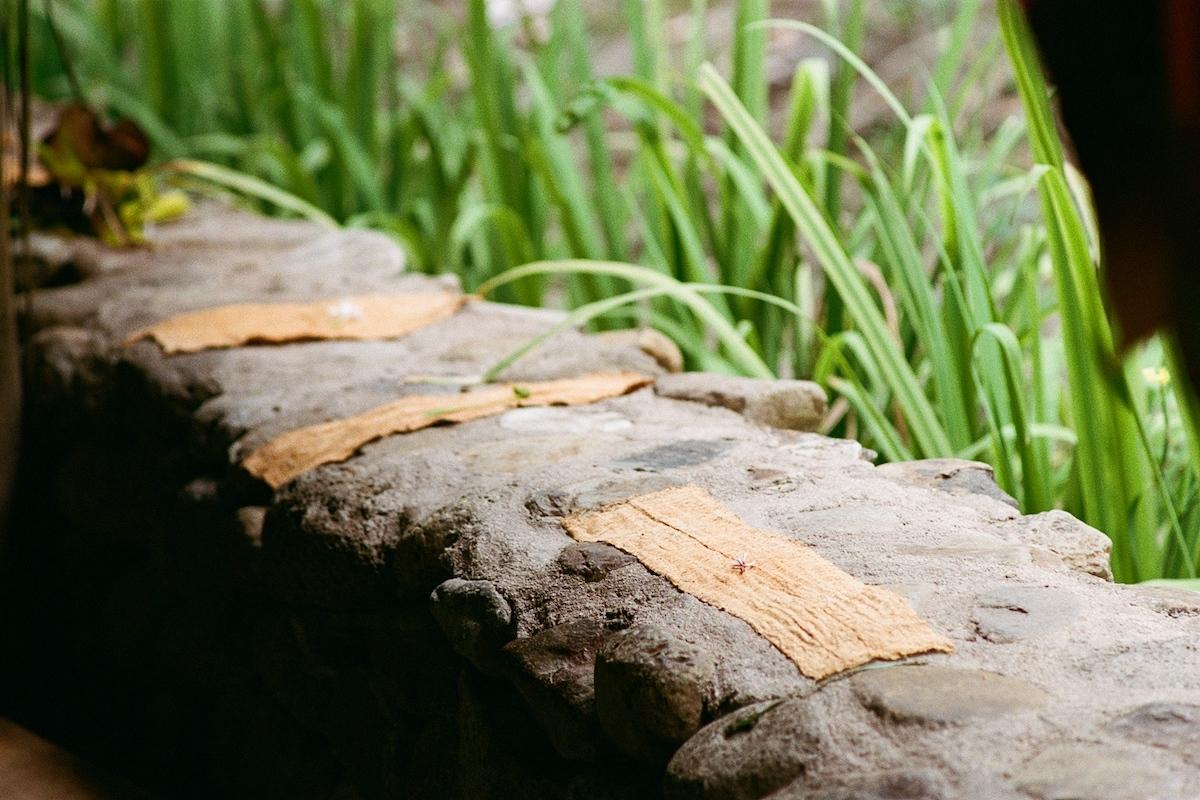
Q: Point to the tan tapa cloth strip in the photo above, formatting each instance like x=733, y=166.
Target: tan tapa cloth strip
x=375, y=316
x=294, y=452
x=823, y=619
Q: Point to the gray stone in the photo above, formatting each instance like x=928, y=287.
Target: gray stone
x=1096, y=772
x=1013, y=613
x=1080, y=546
x=1175, y=726
x=746, y=755
x=593, y=493
x=476, y=619
x=933, y=694
x=899, y=784
x=651, y=342
x=650, y=690
x=685, y=453
x=592, y=561
x=554, y=671
x=1167, y=600
x=576, y=421
x=789, y=404
x=953, y=475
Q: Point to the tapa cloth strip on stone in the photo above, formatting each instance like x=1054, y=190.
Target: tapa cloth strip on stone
x=820, y=617
x=375, y=316
x=294, y=452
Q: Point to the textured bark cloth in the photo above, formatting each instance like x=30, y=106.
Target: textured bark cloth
x=823, y=619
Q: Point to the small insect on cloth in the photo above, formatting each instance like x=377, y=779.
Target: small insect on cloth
x=298, y=451
x=823, y=619
x=375, y=316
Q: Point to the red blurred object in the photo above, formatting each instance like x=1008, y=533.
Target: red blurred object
x=1127, y=74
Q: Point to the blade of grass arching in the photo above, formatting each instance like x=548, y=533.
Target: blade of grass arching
x=690, y=340
x=688, y=127
x=845, y=51
x=739, y=352
x=929, y=437
x=697, y=355
x=578, y=317
x=249, y=186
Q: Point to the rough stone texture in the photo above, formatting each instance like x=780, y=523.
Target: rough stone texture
x=651, y=342
x=554, y=671
x=174, y=619
x=651, y=688
x=794, y=405
x=1013, y=613
x=1080, y=546
x=475, y=618
x=1097, y=772
x=943, y=694
x=953, y=475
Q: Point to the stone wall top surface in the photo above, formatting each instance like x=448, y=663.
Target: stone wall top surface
x=1062, y=684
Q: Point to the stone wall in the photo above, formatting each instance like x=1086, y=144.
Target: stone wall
x=415, y=622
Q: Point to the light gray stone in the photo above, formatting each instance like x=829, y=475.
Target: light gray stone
x=790, y=404
x=1096, y=772
x=951, y=475
x=932, y=694
x=650, y=690
x=651, y=342
x=552, y=420
x=899, y=784
x=1080, y=546
x=1174, y=726
x=1013, y=613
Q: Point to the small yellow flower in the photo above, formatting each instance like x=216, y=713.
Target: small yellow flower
x=1156, y=376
